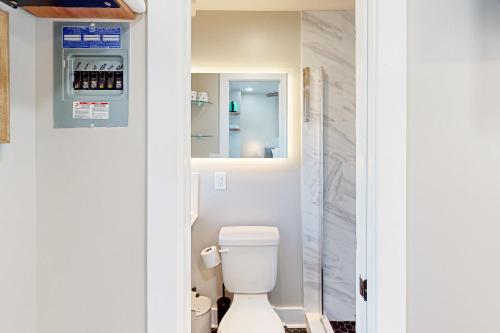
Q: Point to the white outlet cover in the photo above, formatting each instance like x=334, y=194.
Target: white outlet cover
x=220, y=180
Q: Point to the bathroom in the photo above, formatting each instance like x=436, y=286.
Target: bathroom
x=252, y=154
x=82, y=159
x=367, y=160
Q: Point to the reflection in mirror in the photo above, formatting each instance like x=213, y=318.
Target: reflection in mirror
x=238, y=115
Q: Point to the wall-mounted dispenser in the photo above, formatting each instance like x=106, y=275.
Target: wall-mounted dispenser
x=91, y=74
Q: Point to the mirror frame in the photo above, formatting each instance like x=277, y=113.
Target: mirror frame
x=224, y=80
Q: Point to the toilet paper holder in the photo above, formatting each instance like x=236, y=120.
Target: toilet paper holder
x=211, y=257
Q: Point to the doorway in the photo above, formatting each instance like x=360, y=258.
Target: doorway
x=383, y=63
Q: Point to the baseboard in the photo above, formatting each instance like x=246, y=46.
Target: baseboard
x=293, y=317
x=316, y=324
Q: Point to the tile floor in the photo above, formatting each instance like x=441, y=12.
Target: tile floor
x=338, y=327
x=288, y=330
x=344, y=326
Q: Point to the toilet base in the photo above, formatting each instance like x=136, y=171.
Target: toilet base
x=251, y=313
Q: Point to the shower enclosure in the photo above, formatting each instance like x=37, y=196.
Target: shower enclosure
x=329, y=165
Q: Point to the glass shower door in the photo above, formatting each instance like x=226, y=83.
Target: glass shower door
x=312, y=188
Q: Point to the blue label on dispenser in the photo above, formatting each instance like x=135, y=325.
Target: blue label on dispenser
x=91, y=38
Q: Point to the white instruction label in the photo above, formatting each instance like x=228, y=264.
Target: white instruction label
x=91, y=110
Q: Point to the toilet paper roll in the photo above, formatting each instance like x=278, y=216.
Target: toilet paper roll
x=210, y=257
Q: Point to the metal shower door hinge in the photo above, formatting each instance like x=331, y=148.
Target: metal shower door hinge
x=363, y=288
x=306, y=91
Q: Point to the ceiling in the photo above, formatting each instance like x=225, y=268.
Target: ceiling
x=256, y=87
x=272, y=5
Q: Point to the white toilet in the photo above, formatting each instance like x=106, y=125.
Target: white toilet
x=249, y=267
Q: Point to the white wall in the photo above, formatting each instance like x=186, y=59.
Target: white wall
x=234, y=136
x=91, y=209
x=17, y=185
x=453, y=165
x=168, y=171
x=259, y=193
x=254, y=197
x=283, y=5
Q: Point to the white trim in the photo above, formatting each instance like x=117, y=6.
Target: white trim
x=315, y=323
x=318, y=323
x=361, y=156
x=326, y=324
x=292, y=317
x=168, y=234
x=386, y=161
x=283, y=96
x=292, y=157
x=224, y=97
x=168, y=123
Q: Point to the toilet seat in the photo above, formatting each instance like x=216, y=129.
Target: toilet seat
x=251, y=313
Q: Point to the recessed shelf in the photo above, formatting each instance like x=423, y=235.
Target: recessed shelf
x=201, y=136
x=234, y=113
x=234, y=129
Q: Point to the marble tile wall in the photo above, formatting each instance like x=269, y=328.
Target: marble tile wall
x=328, y=39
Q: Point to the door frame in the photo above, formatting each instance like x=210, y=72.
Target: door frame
x=361, y=160
x=168, y=236
x=168, y=165
x=381, y=162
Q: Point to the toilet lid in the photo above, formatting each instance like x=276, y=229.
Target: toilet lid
x=246, y=318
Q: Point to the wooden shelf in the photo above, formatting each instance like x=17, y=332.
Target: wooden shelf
x=124, y=12
x=4, y=78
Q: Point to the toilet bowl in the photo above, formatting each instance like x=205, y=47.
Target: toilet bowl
x=249, y=257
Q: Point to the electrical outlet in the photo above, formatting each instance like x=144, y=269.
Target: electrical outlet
x=220, y=181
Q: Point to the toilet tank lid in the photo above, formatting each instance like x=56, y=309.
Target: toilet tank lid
x=249, y=236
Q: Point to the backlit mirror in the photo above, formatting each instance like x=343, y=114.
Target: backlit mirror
x=238, y=115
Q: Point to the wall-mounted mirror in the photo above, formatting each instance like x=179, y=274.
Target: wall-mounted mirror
x=238, y=115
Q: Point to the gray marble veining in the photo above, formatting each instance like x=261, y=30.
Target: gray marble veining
x=329, y=42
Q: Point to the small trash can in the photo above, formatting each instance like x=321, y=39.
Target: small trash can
x=201, y=316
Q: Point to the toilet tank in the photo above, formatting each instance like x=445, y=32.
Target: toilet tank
x=249, y=258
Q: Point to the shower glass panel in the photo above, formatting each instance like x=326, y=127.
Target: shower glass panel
x=312, y=188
